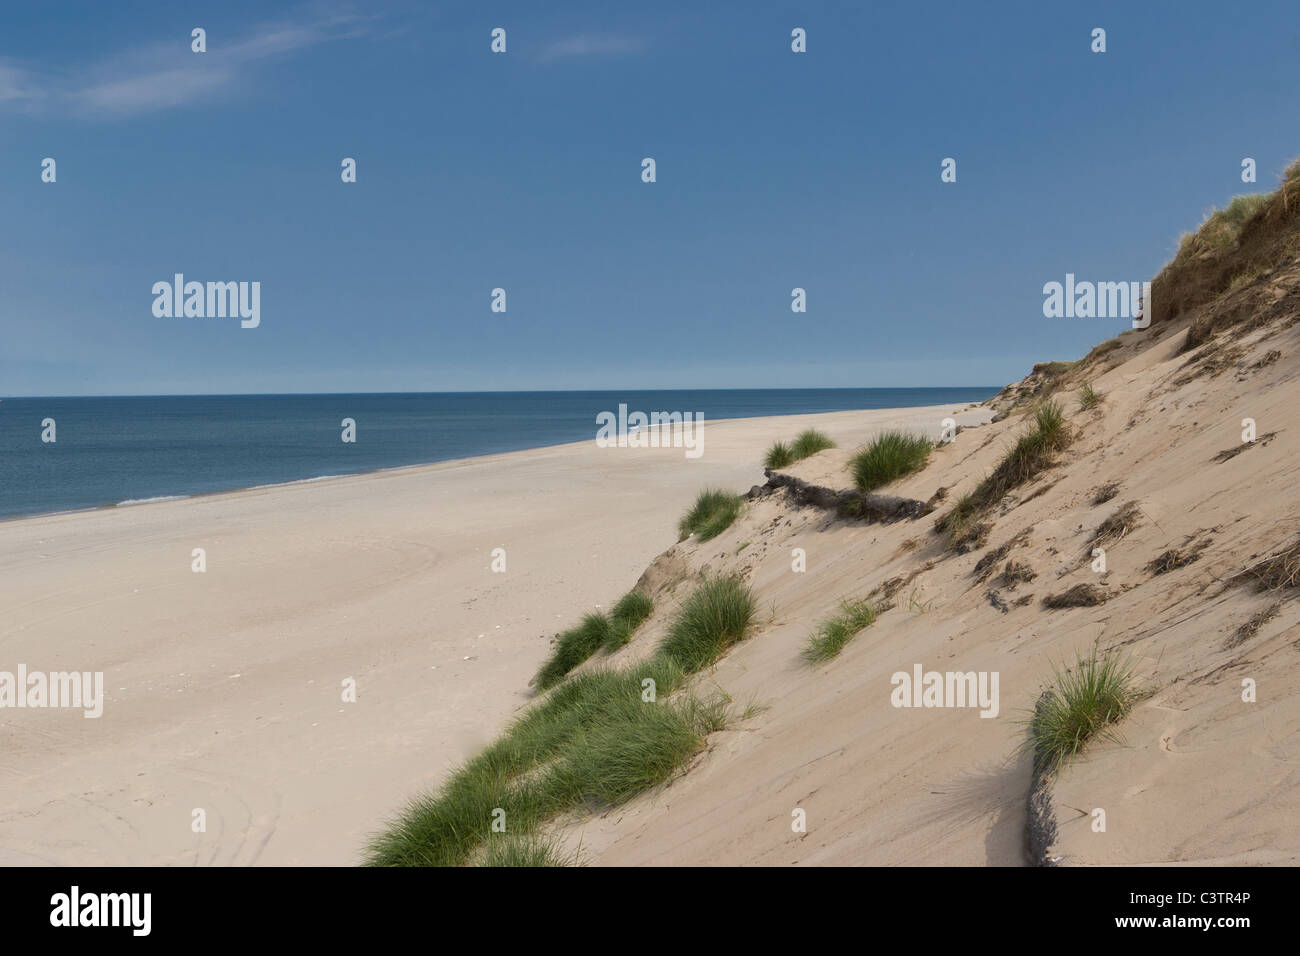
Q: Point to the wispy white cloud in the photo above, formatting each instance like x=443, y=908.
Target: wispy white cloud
x=158, y=89
x=17, y=84
x=165, y=76
x=593, y=45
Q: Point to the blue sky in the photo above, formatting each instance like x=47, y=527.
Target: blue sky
x=522, y=171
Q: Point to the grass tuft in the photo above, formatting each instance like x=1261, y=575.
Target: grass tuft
x=625, y=617
x=888, y=457
x=1084, y=701
x=596, y=631
x=635, y=747
x=526, y=850
x=835, y=632
x=780, y=455
x=1049, y=421
x=715, y=616
x=713, y=512
x=573, y=647
x=1030, y=456
x=595, y=737
x=810, y=442
x=1088, y=397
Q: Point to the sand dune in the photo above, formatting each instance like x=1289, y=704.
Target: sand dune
x=1197, y=772
x=1196, y=776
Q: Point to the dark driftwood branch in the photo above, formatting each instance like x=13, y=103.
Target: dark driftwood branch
x=847, y=503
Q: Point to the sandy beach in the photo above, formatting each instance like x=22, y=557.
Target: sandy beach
x=224, y=688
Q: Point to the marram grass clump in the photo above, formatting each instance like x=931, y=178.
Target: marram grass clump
x=888, y=457
x=809, y=442
x=716, y=615
x=598, y=739
x=780, y=455
x=1032, y=453
x=1083, y=703
x=835, y=632
x=558, y=756
x=507, y=849
x=713, y=512
x=573, y=647
x=625, y=617
x=636, y=746
x=595, y=632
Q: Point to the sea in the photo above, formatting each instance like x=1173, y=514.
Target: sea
x=122, y=451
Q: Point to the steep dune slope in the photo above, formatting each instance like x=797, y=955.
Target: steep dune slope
x=1196, y=774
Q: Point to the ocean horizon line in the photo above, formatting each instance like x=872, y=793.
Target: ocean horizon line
x=521, y=391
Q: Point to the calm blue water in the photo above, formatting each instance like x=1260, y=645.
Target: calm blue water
x=112, y=450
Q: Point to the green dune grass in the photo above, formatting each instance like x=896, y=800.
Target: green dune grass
x=835, y=632
x=888, y=457
x=713, y=512
x=596, y=739
x=809, y=442
x=1084, y=702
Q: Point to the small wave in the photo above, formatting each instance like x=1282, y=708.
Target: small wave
x=145, y=501
x=225, y=491
x=301, y=481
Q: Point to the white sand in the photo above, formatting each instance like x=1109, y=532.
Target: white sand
x=224, y=688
